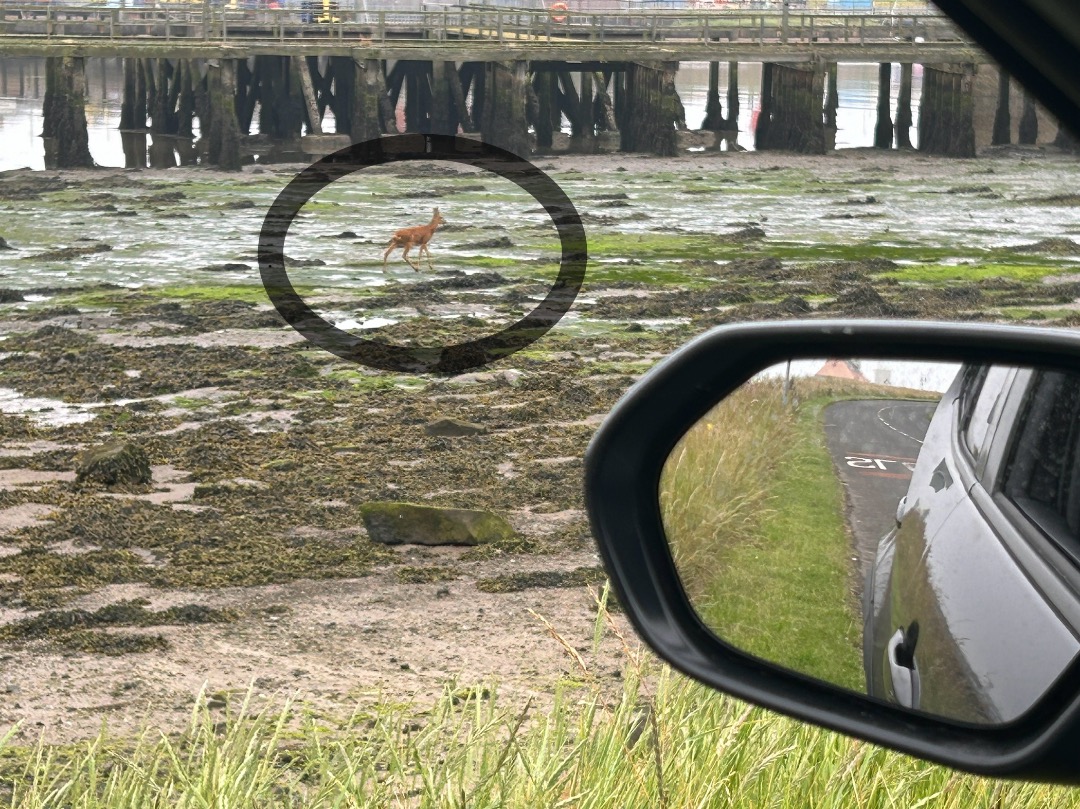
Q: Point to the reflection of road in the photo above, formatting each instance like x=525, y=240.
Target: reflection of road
x=874, y=445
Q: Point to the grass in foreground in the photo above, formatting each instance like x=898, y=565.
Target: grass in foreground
x=663, y=741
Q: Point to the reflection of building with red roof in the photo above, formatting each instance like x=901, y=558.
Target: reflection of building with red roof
x=842, y=369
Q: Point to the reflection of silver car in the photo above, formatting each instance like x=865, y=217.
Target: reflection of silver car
x=971, y=608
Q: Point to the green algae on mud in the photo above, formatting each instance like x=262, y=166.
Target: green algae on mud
x=979, y=271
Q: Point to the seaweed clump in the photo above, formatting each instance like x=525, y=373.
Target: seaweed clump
x=516, y=582
x=74, y=630
x=122, y=613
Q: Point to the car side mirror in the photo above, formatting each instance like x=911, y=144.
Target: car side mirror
x=871, y=526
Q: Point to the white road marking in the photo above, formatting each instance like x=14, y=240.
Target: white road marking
x=896, y=429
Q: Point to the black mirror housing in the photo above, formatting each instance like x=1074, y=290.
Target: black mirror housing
x=622, y=474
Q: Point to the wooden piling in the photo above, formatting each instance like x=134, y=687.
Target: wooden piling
x=64, y=132
x=792, y=109
x=368, y=93
x=134, y=146
x=603, y=108
x=223, y=139
x=548, y=116
x=478, y=80
x=149, y=82
x=162, y=154
x=764, y=119
x=832, y=104
x=414, y=109
x=502, y=119
x=714, y=112
x=947, y=113
x=461, y=115
x=342, y=75
x=1029, y=122
x=579, y=110
x=619, y=98
x=127, y=100
x=903, y=107
x=732, y=123
x=649, y=121
x=883, y=131
x=302, y=74
x=247, y=92
x=443, y=118
x=1066, y=140
x=282, y=108
x=139, y=105
x=1002, y=133
x=585, y=141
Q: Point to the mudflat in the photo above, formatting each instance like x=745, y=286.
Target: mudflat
x=131, y=310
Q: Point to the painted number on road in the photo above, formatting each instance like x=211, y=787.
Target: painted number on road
x=882, y=463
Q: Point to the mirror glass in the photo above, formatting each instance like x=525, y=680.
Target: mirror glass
x=904, y=529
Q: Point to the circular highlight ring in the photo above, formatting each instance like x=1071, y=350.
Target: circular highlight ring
x=451, y=359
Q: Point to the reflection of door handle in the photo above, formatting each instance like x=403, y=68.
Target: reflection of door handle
x=900, y=652
x=941, y=479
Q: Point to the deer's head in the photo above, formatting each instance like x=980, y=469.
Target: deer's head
x=438, y=218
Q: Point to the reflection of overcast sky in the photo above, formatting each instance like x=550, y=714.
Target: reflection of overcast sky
x=912, y=374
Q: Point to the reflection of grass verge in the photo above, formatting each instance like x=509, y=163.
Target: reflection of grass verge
x=754, y=513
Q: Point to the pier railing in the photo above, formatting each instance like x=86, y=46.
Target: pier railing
x=319, y=20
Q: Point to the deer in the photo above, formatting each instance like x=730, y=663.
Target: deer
x=410, y=237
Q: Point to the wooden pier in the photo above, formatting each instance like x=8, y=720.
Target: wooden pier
x=510, y=75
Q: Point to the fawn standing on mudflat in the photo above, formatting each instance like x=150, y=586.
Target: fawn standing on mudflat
x=410, y=237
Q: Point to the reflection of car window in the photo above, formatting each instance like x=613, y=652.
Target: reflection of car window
x=983, y=410
x=969, y=390
x=1043, y=478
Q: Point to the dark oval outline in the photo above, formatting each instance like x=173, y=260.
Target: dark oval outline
x=452, y=359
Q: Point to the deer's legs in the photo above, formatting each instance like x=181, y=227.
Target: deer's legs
x=425, y=249
x=405, y=256
x=386, y=255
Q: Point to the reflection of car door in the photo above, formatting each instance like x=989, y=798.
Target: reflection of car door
x=964, y=613
x=934, y=492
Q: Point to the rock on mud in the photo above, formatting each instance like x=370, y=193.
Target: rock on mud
x=411, y=524
x=113, y=463
x=65, y=253
x=453, y=428
x=745, y=235
x=4, y=245
x=1053, y=246
x=500, y=241
x=226, y=267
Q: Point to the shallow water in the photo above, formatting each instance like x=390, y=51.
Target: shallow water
x=885, y=200
x=22, y=89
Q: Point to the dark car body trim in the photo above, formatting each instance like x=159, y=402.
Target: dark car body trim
x=622, y=472
x=1036, y=41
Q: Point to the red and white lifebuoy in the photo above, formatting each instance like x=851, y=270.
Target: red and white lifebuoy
x=557, y=11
